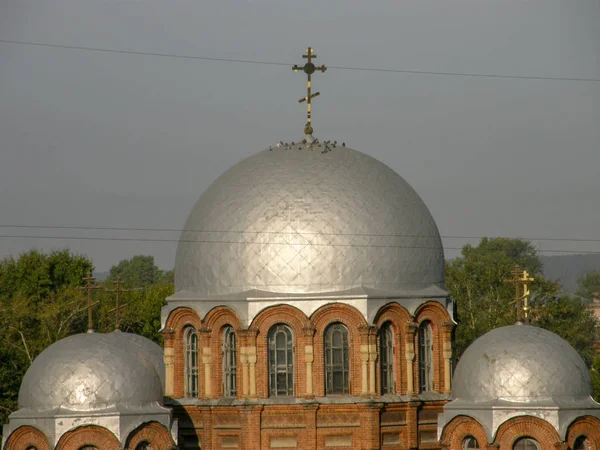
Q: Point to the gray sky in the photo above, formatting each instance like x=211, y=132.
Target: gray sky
x=120, y=140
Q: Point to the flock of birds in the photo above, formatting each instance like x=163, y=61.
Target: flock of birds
x=327, y=146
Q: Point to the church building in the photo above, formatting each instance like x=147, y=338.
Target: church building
x=309, y=312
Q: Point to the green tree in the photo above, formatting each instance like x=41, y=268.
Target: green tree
x=595, y=376
x=477, y=281
x=139, y=271
x=39, y=304
x=588, y=286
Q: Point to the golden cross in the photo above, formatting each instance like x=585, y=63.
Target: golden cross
x=90, y=286
x=309, y=68
x=520, y=279
x=117, y=309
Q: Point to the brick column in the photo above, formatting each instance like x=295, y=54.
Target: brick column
x=245, y=373
x=364, y=359
x=447, y=328
x=251, y=354
x=169, y=359
x=409, y=353
x=309, y=358
x=372, y=360
x=412, y=427
x=250, y=436
x=205, y=353
x=370, y=426
x=309, y=435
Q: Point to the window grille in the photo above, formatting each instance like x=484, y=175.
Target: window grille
x=229, y=366
x=337, y=362
x=191, y=362
x=425, y=357
x=386, y=343
x=281, y=361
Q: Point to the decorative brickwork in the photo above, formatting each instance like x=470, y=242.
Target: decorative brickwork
x=26, y=437
x=352, y=319
x=297, y=321
x=89, y=435
x=437, y=316
x=214, y=323
x=151, y=433
x=586, y=426
x=459, y=429
x=527, y=426
x=398, y=316
x=178, y=321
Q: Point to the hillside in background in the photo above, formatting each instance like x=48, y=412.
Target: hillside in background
x=568, y=268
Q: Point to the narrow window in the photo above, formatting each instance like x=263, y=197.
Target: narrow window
x=425, y=357
x=470, y=443
x=191, y=362
x=336, y=360
x=581, y=443
x=387, y=359
x=229, y=372
x=143, y=446
x=281, y=361
x=526, y=444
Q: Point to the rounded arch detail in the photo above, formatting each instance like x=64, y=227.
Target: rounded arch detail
x=587, y=426
x=286, y=314
x=527, y=426
x=25, y=437
x=337, y=312
x=88, y=435
x=182, y=317
x=220, y=316
x=432, y=311
x=153, y=433
x=461, y=427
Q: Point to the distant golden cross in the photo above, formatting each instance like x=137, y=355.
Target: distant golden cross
x=90, y=286
x=117, y=309
x=309, y=68
x=520, y=279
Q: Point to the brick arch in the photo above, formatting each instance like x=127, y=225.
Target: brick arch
x=214, y=323
x=354, y=321
x=222, y=314
x=179, y=319
x=298, y=322
x=527, y=426
x=26, y=436
x=182, y=317
x=587, y=426
x=437, y=315
x=399, y=316
x=92, y=435
x=461, y=427
x=153, y=433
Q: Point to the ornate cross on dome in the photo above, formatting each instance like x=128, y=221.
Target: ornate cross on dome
x=521, y=279
x=90, y=286
x=117, y=309
x=309, y=68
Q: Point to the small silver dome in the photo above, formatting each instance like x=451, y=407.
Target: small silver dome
x=521, y=363
x=149, y=349
x=90, y=372
x=292, y=220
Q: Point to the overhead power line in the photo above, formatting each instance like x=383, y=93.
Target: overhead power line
x=277, y=63
x=216, y=241
x=180, y=230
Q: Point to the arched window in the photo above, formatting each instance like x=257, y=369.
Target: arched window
x=470, y=443
x=581, y=443
x=337, y=360
x=191, y=362
x=229, y=372
x=425, y=357
x=281, y=361
x=88, y=447
x=143, y=446
x=526, y=444
x=386, y=342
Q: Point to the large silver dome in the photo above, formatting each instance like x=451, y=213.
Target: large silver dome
x=292, y=220
x=521, y=363
x=90, y=372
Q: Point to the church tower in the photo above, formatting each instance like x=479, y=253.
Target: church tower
x=310, y=308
